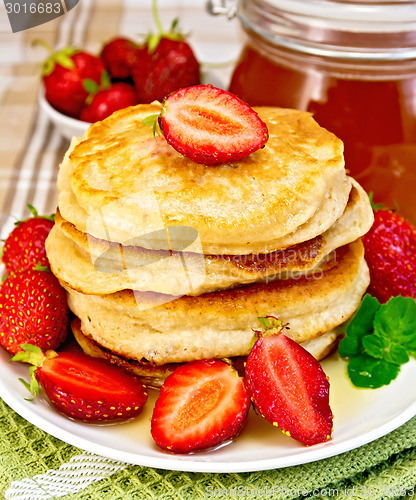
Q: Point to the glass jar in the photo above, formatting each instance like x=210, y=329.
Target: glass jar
x=350, y=63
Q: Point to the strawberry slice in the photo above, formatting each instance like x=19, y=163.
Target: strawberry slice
x=211, y=126
x=201, y=404
x=83, y=387
x=289, y=388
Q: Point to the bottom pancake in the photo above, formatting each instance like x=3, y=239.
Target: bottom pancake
x=154, y=376
x=156, y=329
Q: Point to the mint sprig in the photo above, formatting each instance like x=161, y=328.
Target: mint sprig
x=379, y=339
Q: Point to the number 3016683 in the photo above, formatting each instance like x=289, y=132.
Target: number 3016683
x=34, y=8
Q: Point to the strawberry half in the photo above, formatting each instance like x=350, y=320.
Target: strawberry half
x=24, y=248
x=33, y=309
x=289, y=388
x=201, y=404
x=211, y=126
x=390, y=252
x=83, y=387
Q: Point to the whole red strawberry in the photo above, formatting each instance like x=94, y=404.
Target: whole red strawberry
x=24, y=248
x=171, y=66
x=288, y=387
x=83, y=387
x=33, y=309
x=118, y=96
x=119, y=56
x=166, y=64
x=63, y=76
x=390, y=252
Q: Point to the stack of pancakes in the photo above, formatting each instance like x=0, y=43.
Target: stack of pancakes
x=166, y=261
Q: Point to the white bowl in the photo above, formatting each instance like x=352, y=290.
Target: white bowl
x=67, y=126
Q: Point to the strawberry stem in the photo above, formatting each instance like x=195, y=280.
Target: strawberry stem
x=62, y=57
x=30, y=354
x=271, y=326
x=39, y=267
x=152, y=121
x=37, y=41
x=34, y=213
x=154, y=39
x=374, y=206
x=156, y=18
x=33, y=355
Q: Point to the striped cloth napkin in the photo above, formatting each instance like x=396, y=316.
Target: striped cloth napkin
x=35, y=465
x=31, y=149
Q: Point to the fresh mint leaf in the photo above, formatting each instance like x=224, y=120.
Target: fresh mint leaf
x=360, y=326
x=382, y=348
x=350, y=346
x=396, y=321
x=396, y=355
x=375, y=346
x=368, y=372
x=379, y=339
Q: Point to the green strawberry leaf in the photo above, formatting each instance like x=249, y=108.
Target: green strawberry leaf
x=152, y=42
x=63, y=58
x=30, y=354
x=152, y=121
x=396, y=322
x=90, y=86
x=360, y=326
x=105, y=82
x=368, y=372
x=271, y=325
x=269, y=322
x=35, y=214
x=374, y=206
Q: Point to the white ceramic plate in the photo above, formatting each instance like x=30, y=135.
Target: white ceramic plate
x=360, y=416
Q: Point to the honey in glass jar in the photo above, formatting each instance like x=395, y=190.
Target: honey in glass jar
x=353, y=66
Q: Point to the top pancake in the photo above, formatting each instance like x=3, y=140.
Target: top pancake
x=117, y=183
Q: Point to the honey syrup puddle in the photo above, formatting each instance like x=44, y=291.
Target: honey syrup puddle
x=347, y=402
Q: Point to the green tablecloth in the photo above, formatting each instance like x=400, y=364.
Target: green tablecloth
x=37, y=466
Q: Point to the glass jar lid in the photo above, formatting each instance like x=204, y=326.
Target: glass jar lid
x=359, y=30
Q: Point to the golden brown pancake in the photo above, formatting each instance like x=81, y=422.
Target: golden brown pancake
x=117, y=183
x=154, y=375
x=94, y=266
x=157, y=329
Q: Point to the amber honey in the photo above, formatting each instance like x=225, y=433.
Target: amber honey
x=351, y=64
x=375, y=119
